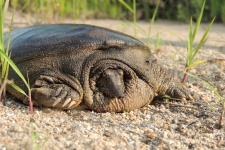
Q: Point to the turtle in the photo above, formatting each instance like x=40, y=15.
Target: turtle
x=76, y=65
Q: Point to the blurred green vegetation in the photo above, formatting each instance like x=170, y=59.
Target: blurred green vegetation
x=180, y=10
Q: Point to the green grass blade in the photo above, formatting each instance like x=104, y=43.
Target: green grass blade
x=153, y=19
x=190, y=43
x=14, y=68
x=1, y=28
x=6, y=5
x=4, y=65
x=9, y=33
x=212, y=88
x=18, y=88
x=199, y=20
x=212, y=107
x=126, y=5
x=165, y=96
x=204, y=38
x=196, y=63
x=134, y=17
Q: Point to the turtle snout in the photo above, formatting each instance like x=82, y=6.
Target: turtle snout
x=111, y=83
x=117, y=91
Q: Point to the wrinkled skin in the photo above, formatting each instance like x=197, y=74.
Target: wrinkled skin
x=73, y=65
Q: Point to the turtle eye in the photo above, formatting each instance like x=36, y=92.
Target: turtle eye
x=152, y=60
x=147, y=60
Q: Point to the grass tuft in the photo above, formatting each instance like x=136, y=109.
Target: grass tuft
x=191, y=51
x=151, y=23
x=6, y=62
x=133, y=11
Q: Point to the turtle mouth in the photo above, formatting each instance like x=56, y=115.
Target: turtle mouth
x=112, y=86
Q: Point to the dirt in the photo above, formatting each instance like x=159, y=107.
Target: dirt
x=163, y=125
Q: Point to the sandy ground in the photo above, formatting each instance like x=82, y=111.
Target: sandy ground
x=159, y=126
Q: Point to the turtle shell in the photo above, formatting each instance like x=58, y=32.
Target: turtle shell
x=41, y=40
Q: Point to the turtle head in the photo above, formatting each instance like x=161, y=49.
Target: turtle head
x=111, y=83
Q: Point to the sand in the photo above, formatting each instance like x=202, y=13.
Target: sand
x=162, y=125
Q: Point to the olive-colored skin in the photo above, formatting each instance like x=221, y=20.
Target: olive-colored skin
x=72, y=65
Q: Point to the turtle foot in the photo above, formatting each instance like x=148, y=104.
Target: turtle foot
x=51, y=92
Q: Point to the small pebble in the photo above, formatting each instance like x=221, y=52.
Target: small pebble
x=162, y=109
x=149, y=134
x=182, y=128
x=46, y=110
x=194, y=83
x=32, y=120
x=197, y=124
x=165, y=126
x=221, y=86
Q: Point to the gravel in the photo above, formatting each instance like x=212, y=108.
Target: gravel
x=162, y=125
